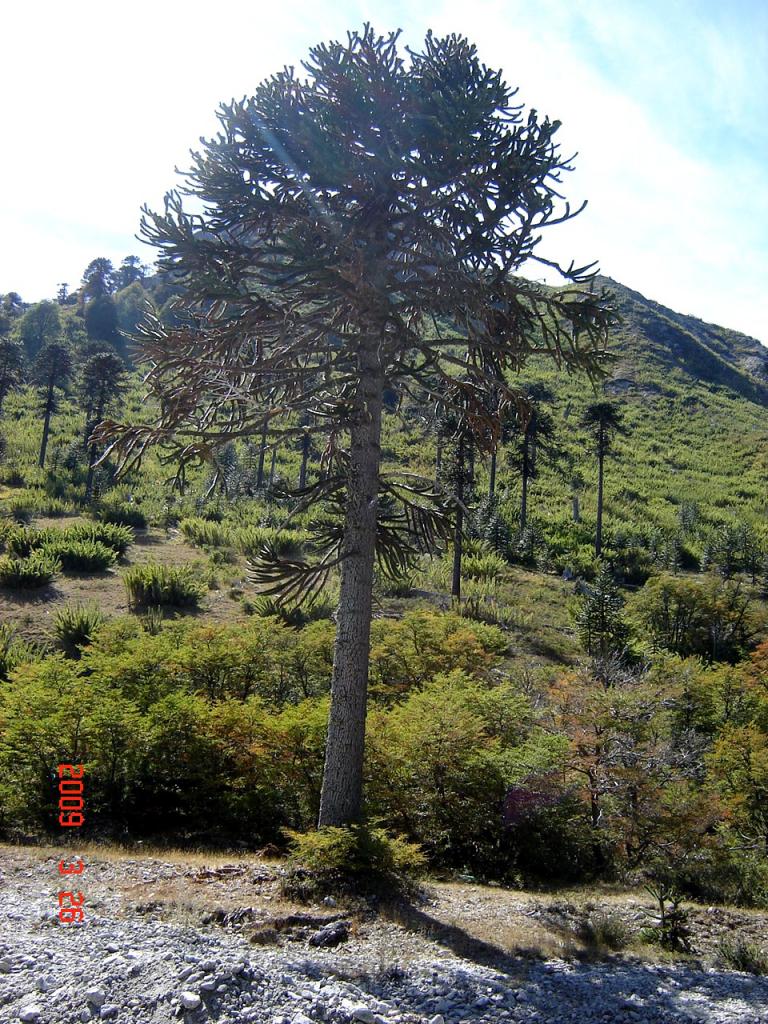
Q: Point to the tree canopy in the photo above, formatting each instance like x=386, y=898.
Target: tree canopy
x=361, y=228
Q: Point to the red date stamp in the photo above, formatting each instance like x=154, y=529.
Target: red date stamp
x=71, y=805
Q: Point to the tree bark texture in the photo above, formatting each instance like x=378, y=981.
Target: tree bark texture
x=341, y=795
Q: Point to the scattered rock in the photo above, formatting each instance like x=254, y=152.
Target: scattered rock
x=330, y=935
x=190, y=1000
x=95, y=996
x=30, y=1014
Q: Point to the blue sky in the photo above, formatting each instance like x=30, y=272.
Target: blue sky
x=665, y=102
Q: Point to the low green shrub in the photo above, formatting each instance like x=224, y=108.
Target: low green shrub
x=322, y=607
x=486, y=567
x=44, y=504
x=356, y=857
x=249, y=540
x=21, y=541
x=20, y=508
x=155, y=585
x=122, y=514
x=81, y=555
x=74, y=627
x=206, y=533
x=38, y=570
x=739, y=954
x=14, y=650
x=605, y=931
x=117, y=536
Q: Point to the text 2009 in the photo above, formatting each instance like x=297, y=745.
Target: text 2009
x=71, y=816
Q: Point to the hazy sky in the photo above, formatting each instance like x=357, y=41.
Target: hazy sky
x=666, y=102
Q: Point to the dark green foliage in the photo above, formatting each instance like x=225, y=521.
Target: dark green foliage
x=712, y=618
x=80, y=555
x=101, y=319
x=129, y=272
x=14, y=651
x=149, y=585
x=738, y=954
x=75, y=626
x=601, y=627
x=50, y=373
x=122, y=514
x=37, y=570
x=11, y=367
x=491, y=525
x=38, y=327
x=116, y=536
x=98, y=279
x=358, y=857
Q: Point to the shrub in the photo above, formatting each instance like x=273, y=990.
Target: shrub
x=117, y=536
x=74, y=627
x=122, y=514
x=43, y=503
x=249, y=540
x=21, y=541
x=21, y=509
x=81, y=555
x=38, y=570
x=487, y=567
x=155, y=585
x=741, y=955
x=206, y=533
x=359, y=857
x=322, y=607
x=14, y=650
x=605, y=931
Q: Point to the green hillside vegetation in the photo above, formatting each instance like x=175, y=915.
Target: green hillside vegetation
x=568, y=718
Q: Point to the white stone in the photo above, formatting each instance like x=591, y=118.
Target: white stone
x=96, y=996
x=190, y=1000
x=365, y=1015
x=437, y=1019
x=30, y=1014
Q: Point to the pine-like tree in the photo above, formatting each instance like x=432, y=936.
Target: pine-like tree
x=50, y=373
x=600, y=624
x=603, y=420
x=357, y=228
x=101, y=381
x=11, y=367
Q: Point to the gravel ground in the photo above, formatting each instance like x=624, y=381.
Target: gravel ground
x=145, y=955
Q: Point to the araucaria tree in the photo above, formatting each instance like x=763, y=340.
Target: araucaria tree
x=50, y=373
x=358, y=227
x=101, y=381
x=603, y=420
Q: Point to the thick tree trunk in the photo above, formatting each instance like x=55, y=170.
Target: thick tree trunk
x=46, y=426
x=599, y=530
x=342, y=790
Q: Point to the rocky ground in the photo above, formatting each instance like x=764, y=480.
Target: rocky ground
x=198, y=939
